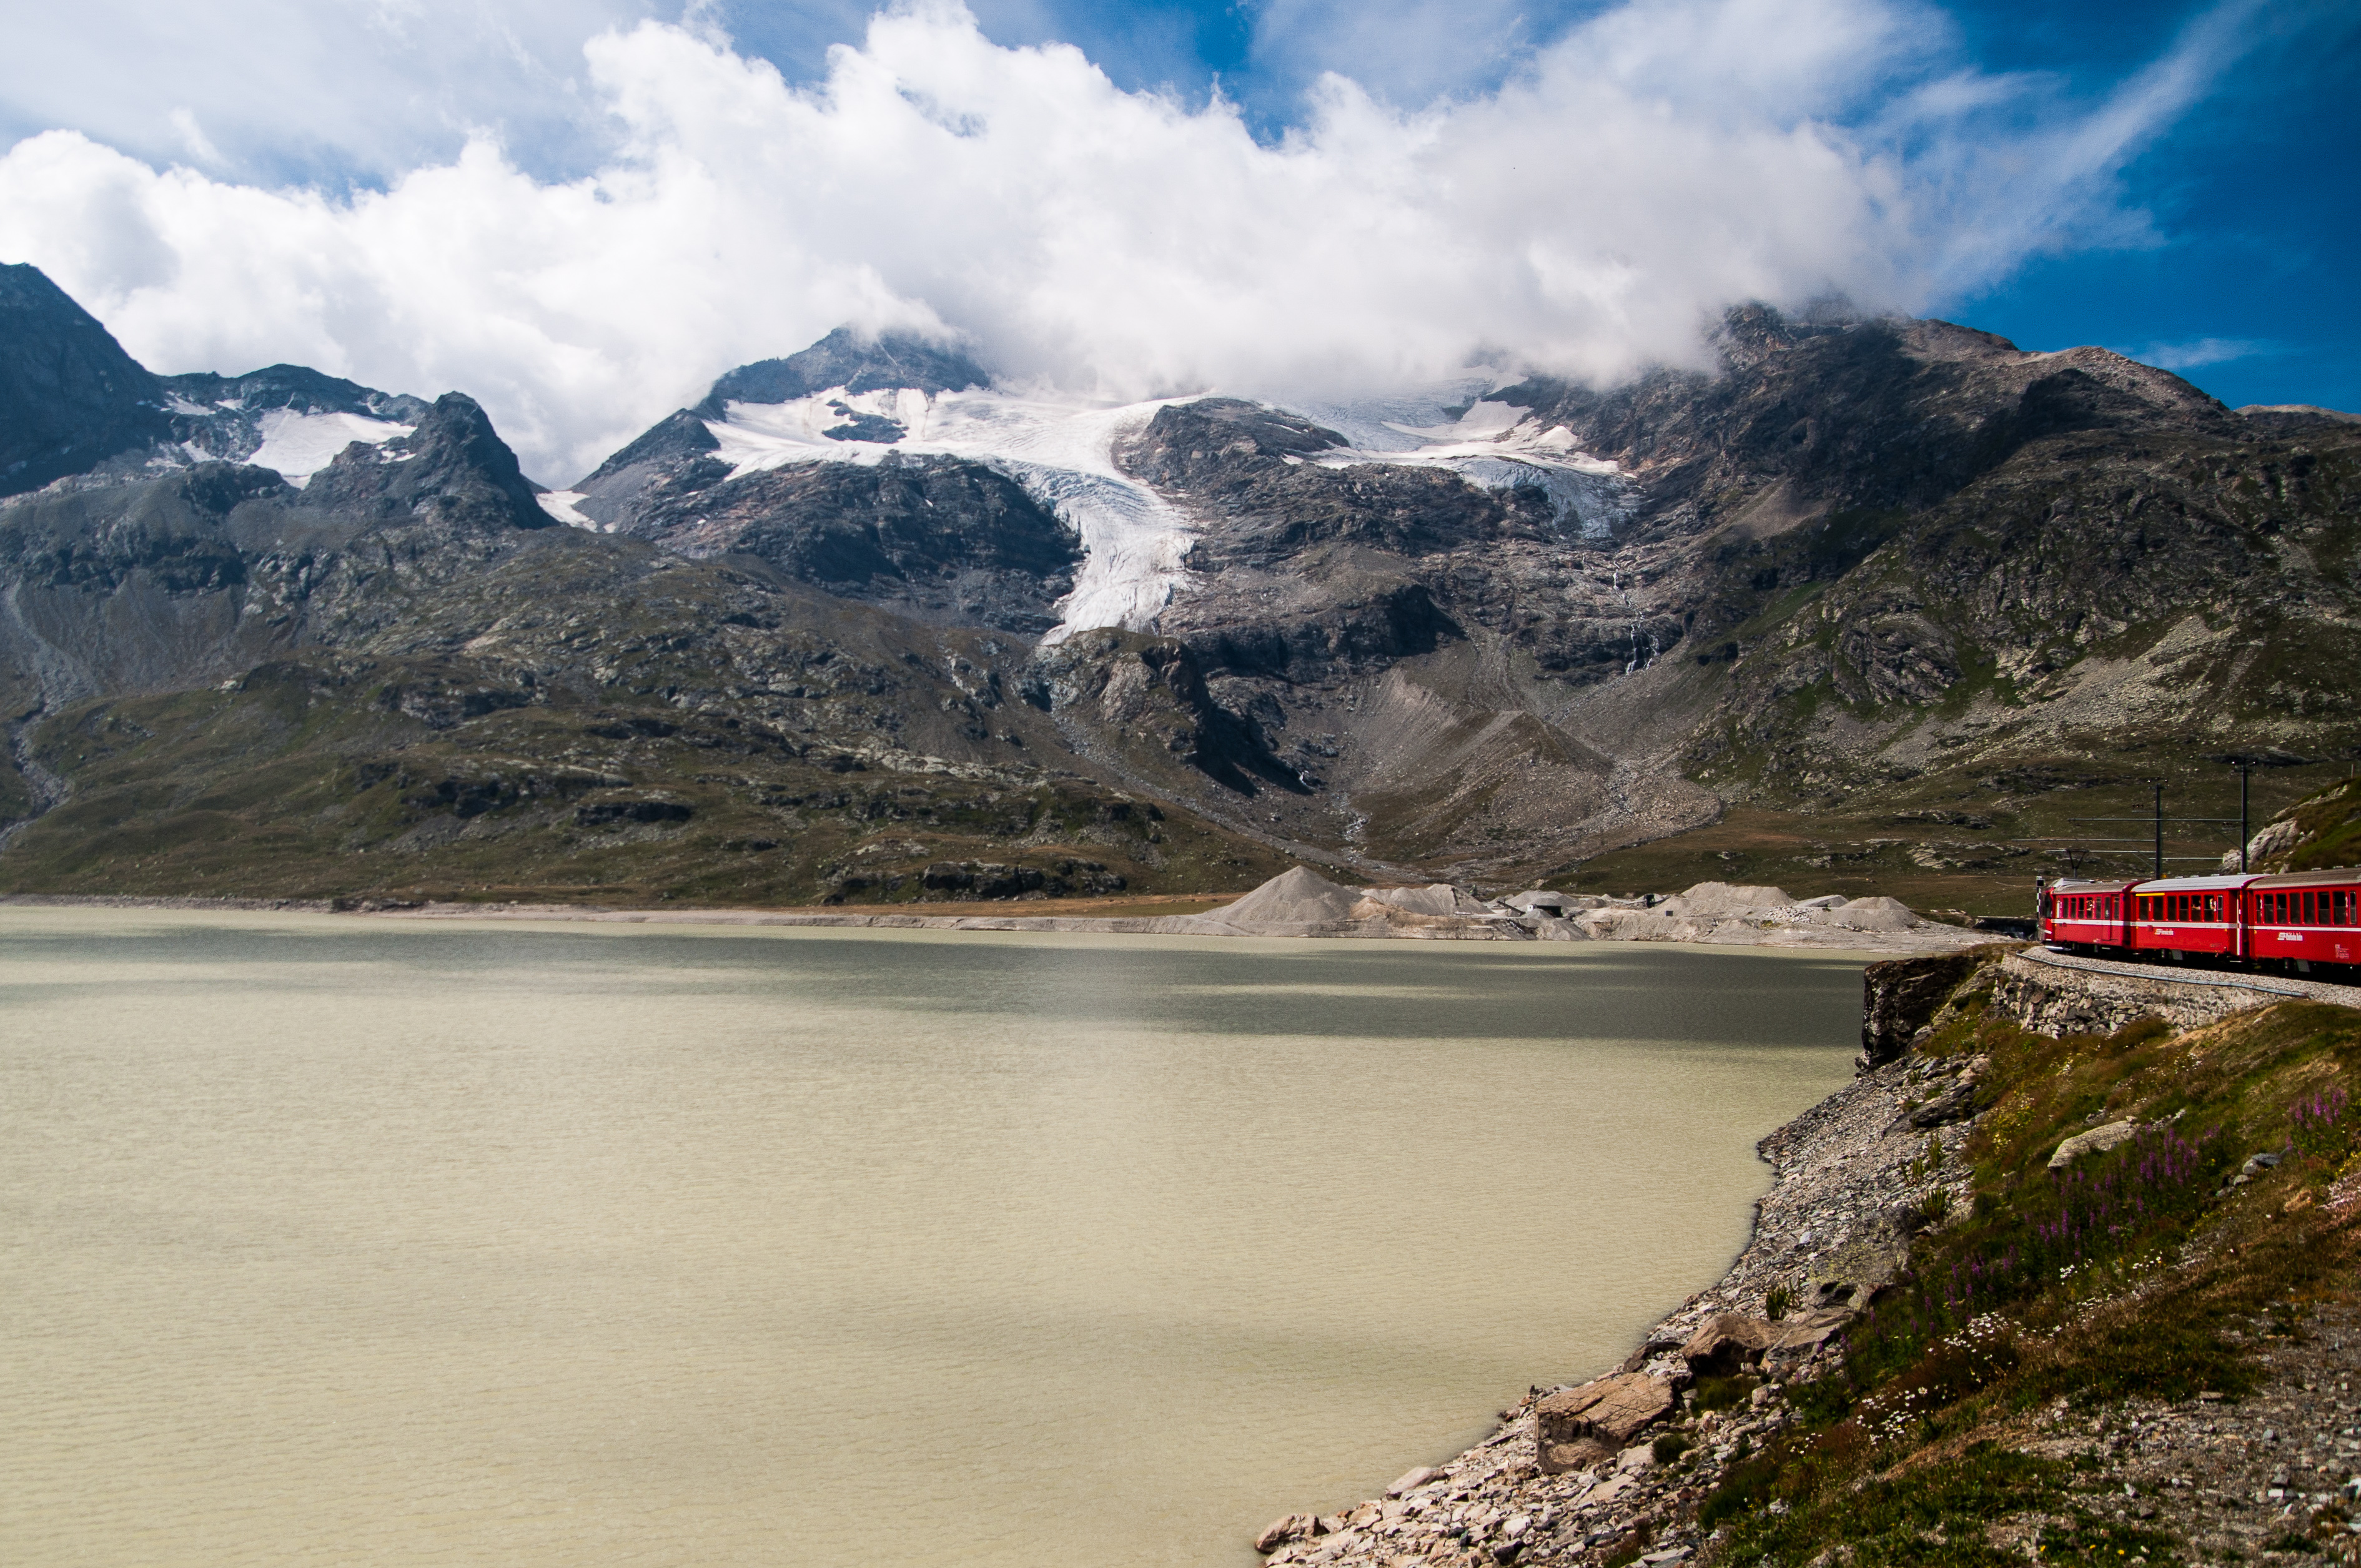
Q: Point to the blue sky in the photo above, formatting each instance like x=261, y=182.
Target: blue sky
x=411, y=190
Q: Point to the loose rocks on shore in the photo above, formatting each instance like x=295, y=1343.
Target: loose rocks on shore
x=1573, y=1476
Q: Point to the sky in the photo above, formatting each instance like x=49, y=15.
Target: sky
x=580, y=212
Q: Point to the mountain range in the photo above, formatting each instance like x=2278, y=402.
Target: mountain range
x=1876, y=603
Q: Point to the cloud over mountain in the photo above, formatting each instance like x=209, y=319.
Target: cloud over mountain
x=1657, y=161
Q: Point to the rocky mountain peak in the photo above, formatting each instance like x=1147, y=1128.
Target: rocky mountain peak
x=453, y=467
x=845, y=359
x=70, y=396
x=298, y=389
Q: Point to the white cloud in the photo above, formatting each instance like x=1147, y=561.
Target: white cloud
x=307, y=89
x=1662, y=159
x=2199, y=351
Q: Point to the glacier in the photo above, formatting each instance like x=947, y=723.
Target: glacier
x=1134, y=542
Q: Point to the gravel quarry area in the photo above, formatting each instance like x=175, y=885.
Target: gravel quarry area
x=1302, y=903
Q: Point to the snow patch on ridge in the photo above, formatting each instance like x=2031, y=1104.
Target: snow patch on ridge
x=299, y=445
x=560, y=504
x=1056, y=446
x=1497, y=445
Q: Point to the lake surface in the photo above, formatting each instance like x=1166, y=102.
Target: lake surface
x=333, y=1240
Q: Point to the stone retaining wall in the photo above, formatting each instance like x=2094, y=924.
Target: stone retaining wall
x=2054, y=999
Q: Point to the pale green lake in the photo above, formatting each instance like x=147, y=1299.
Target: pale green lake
x=338, y=1240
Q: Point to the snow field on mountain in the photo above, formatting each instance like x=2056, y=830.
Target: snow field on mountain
x=1134, y=542
x=1059, y=448
x=299, y=445
x=1496, y=446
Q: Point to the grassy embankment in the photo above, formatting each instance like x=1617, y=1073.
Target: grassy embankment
x=2121, y=1277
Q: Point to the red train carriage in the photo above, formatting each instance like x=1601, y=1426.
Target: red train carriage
x=2190, y=916
x=2291, y=923
x=2088, y=915
x=2305, y=918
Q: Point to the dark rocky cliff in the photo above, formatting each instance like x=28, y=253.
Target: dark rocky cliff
x=70, y=396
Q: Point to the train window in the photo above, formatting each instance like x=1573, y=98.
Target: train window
x=2213, y=906
x=2311, y=909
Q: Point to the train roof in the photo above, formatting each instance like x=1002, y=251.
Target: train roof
x=2229, y=884
x=2118, y=885
x=2334, y=876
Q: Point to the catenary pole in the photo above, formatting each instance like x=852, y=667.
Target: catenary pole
x=2245, y=774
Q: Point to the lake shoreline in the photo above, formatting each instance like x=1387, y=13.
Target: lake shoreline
x=1739, y=936
x=1837, y=1171
x=1573, y=1474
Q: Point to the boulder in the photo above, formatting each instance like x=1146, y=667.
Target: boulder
x=1728, y=1342
x=1956, y=1103
x=1852, y=1273
x=1279, y=1532
x=2098, y=1140
x=1800, y=1337
x=1412, y=1480
x=1571, y=1427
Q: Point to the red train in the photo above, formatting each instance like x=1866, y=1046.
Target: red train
x=2297, y=923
